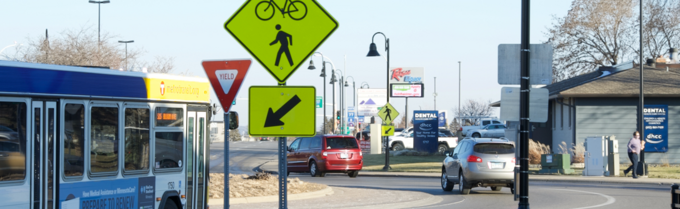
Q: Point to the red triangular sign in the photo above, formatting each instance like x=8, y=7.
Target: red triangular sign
x=226, y=77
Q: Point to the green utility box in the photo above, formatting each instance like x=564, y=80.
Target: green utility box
x=556, y=163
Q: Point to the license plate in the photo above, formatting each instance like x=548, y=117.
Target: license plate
x=495, y=165
x=343, y=155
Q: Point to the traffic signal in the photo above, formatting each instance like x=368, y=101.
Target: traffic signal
x=337, y=113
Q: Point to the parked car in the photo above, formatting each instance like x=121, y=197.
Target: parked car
x=325, y=154
x=405, y=141
x=483, y=122
x=479, y=162
x=488, y=131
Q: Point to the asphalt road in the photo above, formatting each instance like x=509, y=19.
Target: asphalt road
x=244, y=156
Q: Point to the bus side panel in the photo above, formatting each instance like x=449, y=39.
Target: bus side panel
x=170, y=182
x=16, y=197
x=130, y=193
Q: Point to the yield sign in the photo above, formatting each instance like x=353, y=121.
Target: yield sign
x=281, y=34
x=226, y=77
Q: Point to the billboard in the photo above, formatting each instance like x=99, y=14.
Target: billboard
x=370, y=100
x=121, y=193
x=656, y=128
x=426, y=132
x=407, y=75
x=406, y=90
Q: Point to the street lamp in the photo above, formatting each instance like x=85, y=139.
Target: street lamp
x=323, y=74
x=364, y=84
x=342, y=98
x=459, y=120
x=333, y=80
x=354, y=96
x=373, y=52
x=15, y=44
x=99, y=24
x=126, y=58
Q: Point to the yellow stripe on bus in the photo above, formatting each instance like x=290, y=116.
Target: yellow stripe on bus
x=168, y=89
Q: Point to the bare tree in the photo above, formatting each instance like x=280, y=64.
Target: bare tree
x=82, y=48
x=594, y=33
x=661, y=27
x=473, y=108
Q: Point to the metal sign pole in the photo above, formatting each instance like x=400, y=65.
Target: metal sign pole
x=226, y=160
x=524, y=110
x=283, y=173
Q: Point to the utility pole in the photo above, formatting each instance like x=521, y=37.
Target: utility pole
x=524, y=109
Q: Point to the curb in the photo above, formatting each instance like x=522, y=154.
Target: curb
x=243, y=200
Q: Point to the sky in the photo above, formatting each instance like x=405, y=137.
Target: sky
x=435, y=35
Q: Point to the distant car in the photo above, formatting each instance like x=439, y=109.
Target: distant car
x=325, y=154
x=480, y=124
x=488, y=131
x=479, y=162
x=446, y=141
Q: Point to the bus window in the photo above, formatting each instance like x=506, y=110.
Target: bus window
x=74, y=135
x=104, y=139
x=12, y=141
x=137, y=139
x=169, y=150
x=169, y=117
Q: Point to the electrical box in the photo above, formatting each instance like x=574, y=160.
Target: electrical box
x=556, y=163
x=376, y=139
x=595, y=156
x=613, y=156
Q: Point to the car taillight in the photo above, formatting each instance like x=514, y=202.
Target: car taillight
x=325, y=155
x=513, y=160
x=474, y=159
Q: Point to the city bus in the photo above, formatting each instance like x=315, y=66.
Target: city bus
x=87, y=137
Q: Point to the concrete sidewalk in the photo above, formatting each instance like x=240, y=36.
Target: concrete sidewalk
x=272, y=167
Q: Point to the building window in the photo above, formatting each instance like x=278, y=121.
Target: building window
x=12, y=141
x=104, y=139
x=74, y=139
x=137, y=145
x=169, y=147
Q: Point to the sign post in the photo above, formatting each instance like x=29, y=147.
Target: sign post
x=387, y=113
x=226, y=77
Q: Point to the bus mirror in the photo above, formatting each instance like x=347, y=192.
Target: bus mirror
x=233, y=120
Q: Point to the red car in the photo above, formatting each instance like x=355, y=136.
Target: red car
x=323, y=154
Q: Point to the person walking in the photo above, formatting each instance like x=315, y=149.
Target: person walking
x=633, y=154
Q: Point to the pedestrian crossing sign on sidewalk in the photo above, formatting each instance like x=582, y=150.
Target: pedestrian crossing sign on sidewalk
x=387, y=113
x=281, y=35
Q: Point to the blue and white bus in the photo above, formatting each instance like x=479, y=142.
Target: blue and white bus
x=80, y=137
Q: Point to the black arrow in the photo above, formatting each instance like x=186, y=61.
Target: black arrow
x=388, y=130
x=274, y=118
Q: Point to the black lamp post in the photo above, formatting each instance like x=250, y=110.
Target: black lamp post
x=373, y=52
x=99, y=19
x=323, y=74
x=126, y=58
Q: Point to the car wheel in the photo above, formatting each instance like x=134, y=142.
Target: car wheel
x=496, y=188
x=463, y=188
x=397, y=147
x=476, y=135
x=442, y=148
x=353, y=174
x=313, y=169
x=446, y=184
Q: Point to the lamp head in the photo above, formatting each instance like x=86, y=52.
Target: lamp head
x=346, y=85
x=311, y=65
x=373, y=51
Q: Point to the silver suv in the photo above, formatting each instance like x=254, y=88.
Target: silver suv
x=479, y=162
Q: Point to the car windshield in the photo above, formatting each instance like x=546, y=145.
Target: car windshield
x=341, y=143
x=494, y=148
x=445, y=133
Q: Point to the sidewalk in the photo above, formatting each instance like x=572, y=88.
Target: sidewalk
x=272, y=167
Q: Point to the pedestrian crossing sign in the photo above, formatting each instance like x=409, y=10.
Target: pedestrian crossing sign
x=281, y=35
x=387, y=113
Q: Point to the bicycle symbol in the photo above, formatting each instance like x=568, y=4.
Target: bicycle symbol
x=296, y=9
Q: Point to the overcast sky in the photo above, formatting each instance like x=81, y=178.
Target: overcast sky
x=430, y=34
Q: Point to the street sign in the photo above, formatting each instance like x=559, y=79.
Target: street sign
x=319, y=102
x=281, y=111
x=350, y=124
x=387, y=130
x=388, y=114
x=538, y=104
x=281, y=36
x=540, y=64
x=226, y=77
x=361, y=119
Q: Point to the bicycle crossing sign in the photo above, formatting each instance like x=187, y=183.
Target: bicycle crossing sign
x=387, y=113
x=281, y=34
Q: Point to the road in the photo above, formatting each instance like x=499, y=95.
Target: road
x=372, y=192
x=243, y=156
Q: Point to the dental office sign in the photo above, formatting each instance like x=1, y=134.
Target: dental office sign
x=426, y=131
x=407, y=75
x=656, y=128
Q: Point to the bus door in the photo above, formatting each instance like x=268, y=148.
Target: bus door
x=44, y=131
x=196, y=158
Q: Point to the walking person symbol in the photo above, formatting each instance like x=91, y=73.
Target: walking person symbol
x=283, y=38
x=387, y=113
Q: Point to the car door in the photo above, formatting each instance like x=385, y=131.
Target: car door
x=304, y=153
x=455, y=166
x=293, y=159
x=500, y=131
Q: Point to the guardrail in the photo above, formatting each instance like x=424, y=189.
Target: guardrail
x=675, y=196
